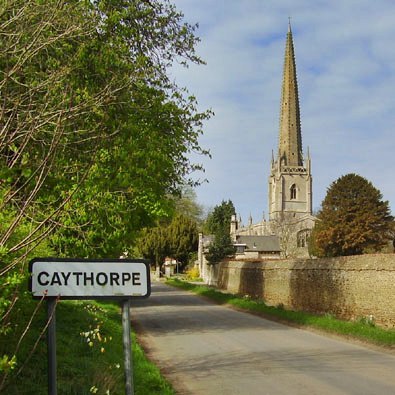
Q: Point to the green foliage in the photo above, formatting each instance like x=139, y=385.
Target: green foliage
x=183, y=238
x=353, y=219
x=178, y=239
x=89, y=353
x=220, y=248
x=218, y=221
x=153, y=245
x=218, y=224
x=187, y=205
x=96, y=137
x=7, y=364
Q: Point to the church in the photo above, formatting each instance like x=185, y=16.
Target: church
x=285, y=234
x=290, y=184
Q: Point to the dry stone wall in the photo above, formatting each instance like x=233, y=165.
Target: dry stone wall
x=348, y=287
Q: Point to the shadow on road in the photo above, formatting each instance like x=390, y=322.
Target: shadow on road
x=172, y=309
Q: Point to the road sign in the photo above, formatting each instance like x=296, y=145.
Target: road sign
x=89, y=279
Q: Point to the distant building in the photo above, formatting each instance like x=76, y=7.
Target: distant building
x=170, y=265
x=257, y=247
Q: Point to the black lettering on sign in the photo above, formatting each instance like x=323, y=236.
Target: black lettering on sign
x=125, y=278
x=114, y=278
x=136, y=279
x=77, y=275
x=104, y=278
x=39, y=278
x=56, y=279
x=66, y=277
x=88, y=278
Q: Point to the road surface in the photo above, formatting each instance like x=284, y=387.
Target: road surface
x=207, y=349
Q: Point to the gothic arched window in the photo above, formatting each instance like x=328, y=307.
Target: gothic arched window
x=293, y=192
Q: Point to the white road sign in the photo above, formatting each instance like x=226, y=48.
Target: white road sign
x=88, y=279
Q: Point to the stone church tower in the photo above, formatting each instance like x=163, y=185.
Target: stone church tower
x=290, y=181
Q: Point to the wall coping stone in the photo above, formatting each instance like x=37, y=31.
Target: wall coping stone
x=376, y=262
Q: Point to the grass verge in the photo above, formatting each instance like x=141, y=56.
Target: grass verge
x=360, y=330
x=89, y=353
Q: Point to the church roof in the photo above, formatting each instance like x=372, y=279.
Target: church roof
x=259, y=243
x=290, y=136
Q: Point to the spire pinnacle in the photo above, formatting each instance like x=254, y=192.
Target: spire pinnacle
x=290, y=136
x=289, y=25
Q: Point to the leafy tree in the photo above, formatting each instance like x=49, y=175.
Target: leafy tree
x=187, y=205
x=88, y=111
x=218, y=224
x=285, y=226
x=353, y=219
x=95, y=136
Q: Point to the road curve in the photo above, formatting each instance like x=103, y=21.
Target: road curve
x=207, y=349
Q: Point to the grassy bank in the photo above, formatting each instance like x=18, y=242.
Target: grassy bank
x=360, y=330
x=89, y=353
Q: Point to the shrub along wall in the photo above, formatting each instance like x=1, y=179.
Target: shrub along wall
x=348, y=287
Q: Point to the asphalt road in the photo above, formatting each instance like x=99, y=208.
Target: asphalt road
x=206, y=349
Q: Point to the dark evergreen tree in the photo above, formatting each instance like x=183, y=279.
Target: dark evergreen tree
x=178, y=239
x=218, y=224
x=183, y=236
x=154, y=245
x=218, y=221
x=353, y=219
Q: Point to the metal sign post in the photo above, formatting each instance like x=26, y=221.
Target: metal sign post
x=127, y=347
x=119, y=279
x=51, y=345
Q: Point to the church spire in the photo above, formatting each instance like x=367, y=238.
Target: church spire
x=290, y=180
x=290, y=136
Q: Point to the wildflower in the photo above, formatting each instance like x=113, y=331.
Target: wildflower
x=93, y=389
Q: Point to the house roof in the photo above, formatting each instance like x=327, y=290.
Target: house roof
x=259, y=243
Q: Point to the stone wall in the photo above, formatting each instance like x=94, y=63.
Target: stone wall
x=348, y=287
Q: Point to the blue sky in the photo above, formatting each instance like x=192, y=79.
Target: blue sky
x=345, y=59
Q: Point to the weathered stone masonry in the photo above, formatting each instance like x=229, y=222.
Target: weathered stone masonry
x=348, y=287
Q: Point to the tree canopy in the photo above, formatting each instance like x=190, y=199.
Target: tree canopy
x=95, y=136
x=353, y=219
